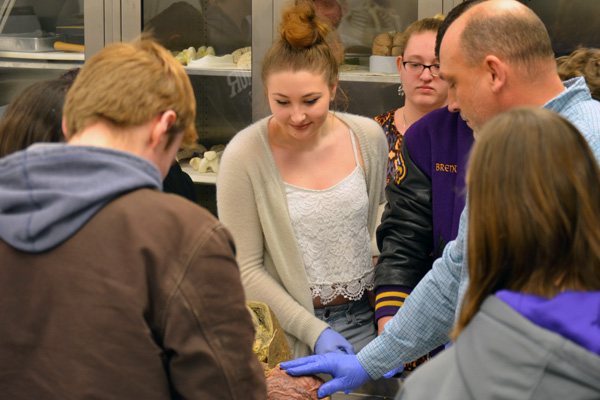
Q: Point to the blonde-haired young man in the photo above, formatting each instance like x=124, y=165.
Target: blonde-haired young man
x=113, y=289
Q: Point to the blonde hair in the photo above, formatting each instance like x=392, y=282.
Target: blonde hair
x=302, y=45
x=130, y=84
x=534, y=214
x=422, y=25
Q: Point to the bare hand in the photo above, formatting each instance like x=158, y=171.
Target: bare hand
x=381, y=322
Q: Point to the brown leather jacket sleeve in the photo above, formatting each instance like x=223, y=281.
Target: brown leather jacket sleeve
x=405, y=235
x=208, y=332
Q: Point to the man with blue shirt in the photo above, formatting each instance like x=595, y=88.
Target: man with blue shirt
x=496, y=56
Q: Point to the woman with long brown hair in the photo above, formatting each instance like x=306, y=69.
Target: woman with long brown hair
x=529, y=326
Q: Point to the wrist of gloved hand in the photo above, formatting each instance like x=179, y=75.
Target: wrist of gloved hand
x=346, y=371
x=332, y=342
x=394, y=372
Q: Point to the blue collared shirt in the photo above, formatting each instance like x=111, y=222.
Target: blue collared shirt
x=428, y=314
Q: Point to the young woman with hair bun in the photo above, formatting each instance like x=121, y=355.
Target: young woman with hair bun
x=300, y=191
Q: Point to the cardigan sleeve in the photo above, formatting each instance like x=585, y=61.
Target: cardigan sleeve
x=248, y=205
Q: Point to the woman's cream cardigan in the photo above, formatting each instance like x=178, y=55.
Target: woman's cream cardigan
x=252, y=204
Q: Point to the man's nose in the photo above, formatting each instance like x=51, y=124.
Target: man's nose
x=452, y=102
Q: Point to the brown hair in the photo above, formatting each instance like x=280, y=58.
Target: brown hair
x=452, y=16
x=35, y=115
x=422, y=25
x=534, y=214
x=129, y=85
x=302, y=45
x=515, y=34
x=582, y=62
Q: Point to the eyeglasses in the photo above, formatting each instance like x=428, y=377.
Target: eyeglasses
x=416, y=68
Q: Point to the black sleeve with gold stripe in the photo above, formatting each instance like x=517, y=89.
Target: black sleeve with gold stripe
x=405, y=236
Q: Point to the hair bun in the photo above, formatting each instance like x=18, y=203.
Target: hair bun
x=301, y=27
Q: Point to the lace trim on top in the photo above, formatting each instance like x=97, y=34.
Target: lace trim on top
x=331, y=227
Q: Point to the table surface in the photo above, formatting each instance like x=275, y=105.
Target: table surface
x=374, y=390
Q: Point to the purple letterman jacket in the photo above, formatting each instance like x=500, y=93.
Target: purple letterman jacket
x=425, y=200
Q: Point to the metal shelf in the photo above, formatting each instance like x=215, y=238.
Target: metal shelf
x=358, y=75
x=369, y=77
x=41, y=60
x=38, y=65
x=44, y=56
x=244, y=72
x=209, y=178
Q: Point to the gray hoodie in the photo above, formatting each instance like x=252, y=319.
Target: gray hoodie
x=503, y=354
x=49, y=191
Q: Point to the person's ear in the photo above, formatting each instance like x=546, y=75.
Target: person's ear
x=64, y=128
x=333, y=88
x=496, y=72
x=399, y=60
x=161, y=127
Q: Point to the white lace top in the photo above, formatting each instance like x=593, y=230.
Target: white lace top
x=330, y=226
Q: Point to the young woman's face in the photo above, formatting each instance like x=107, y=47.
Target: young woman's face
x=299, y=101
x=422, y=89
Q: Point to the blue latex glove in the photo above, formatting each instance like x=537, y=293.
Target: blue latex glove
x=347, y=372
x=394, y=372
x=332, y=342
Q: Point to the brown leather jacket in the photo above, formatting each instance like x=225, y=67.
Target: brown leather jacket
x=143, y=302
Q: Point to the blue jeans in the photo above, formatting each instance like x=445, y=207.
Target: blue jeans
x=354, y=320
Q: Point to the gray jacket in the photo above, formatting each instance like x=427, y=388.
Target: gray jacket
x=502, y=355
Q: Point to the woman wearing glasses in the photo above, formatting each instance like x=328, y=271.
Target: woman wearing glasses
x=425, y=192
x=424, y=90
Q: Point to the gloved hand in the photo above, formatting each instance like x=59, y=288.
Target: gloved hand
x=332, y=342
x=393, y=372
x=347, y=372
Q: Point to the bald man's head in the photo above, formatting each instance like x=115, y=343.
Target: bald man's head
x=505, y=28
